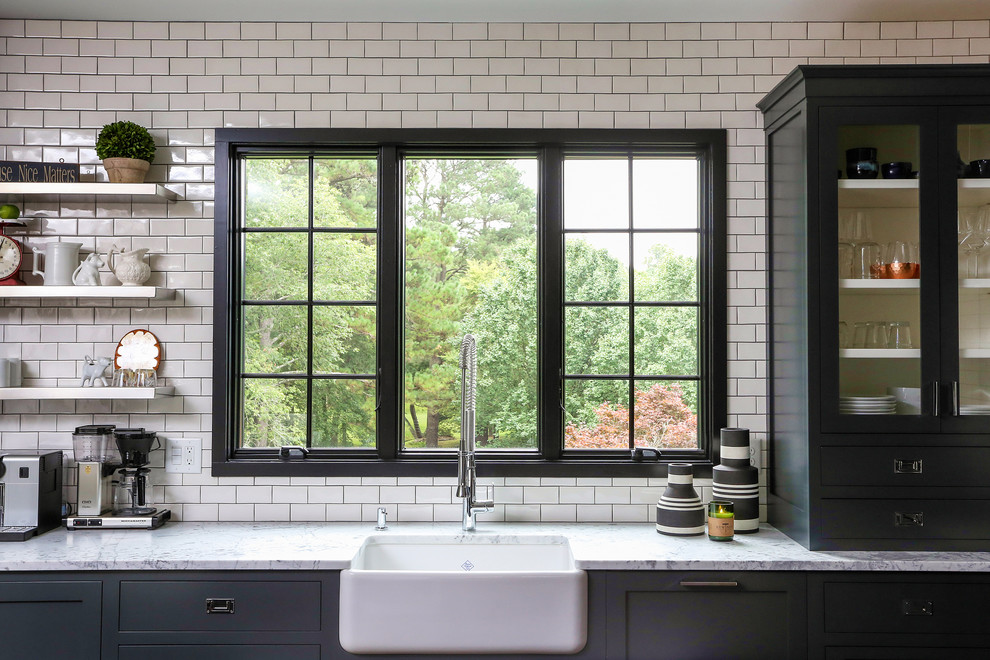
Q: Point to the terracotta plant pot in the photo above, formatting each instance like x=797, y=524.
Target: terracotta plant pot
x=126, y=170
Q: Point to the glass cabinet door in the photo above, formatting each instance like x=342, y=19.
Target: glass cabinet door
x=967, y=149
x=879, y=272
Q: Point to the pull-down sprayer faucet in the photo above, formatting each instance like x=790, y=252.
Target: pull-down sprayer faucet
x=466, y=473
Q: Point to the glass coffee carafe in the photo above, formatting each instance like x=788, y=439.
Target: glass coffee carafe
x=132, y=486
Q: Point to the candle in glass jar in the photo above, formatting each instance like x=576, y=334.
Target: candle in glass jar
x=721, y=519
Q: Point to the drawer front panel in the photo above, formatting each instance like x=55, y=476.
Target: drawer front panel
x=908, y=608
x=906, y=466
x=219, y=606
x=218, y=652
x=905, y=519
x=900, y=653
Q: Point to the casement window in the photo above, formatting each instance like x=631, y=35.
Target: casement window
x=588, y=264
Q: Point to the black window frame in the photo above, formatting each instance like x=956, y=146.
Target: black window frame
x=550, y=146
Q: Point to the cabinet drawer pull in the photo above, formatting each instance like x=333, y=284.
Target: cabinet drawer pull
x=907, y=466
x=709, y=585
x=912, y=519
x=219, y=605
x=917, y=607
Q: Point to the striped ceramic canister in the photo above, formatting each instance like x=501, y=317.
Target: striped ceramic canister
x=736, y=480
x=680, y=511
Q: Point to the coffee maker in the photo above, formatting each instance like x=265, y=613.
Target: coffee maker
x=131, y=487
x=96, y=460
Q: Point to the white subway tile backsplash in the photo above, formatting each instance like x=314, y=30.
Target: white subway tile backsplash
x=63, y=80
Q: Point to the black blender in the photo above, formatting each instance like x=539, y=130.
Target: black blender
x=131, y=487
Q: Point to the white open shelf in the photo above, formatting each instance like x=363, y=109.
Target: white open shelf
x=878, y=193
x=153, y=292
x=143, y=192
x=891, y=353
x=974, y=352
x=974, y=192
x=84, y=392
x=975, y=283
x=870, y=287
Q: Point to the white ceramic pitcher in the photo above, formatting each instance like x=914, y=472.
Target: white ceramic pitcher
x=61, y=260
x=129, y=266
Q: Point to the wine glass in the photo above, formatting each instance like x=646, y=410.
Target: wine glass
x=973, y=238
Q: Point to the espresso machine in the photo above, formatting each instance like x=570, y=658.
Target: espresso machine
x=131, y=508
x=30, y=493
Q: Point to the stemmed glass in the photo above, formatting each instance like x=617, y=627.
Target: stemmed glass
x=974, y=233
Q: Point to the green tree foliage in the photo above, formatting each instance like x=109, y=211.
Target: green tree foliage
x=276, y=337
x=460, y=215
x=470, y=266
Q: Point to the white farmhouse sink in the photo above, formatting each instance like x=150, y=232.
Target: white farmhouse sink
x=463, y=594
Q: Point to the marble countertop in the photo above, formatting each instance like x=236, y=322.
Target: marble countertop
x=328, y=546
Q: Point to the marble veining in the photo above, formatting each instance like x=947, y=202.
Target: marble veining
x=331, y=546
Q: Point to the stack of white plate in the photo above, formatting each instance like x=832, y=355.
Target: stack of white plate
x=868, y=405
x=974, y=409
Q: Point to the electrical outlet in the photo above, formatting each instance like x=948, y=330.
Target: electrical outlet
x=756, y=453
x=183, y=455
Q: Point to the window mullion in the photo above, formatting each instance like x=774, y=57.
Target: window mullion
x=551, y=308
x=388, y=386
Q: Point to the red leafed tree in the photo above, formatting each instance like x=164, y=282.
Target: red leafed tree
x=663, y=420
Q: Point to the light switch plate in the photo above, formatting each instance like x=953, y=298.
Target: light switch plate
x=184, y=455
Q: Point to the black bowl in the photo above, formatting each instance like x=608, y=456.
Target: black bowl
x=979, y=169
x=897, y=170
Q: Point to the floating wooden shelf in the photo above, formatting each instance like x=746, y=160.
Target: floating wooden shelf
x=66, y=393
x=890, y=353
x=152, y=292
x=140, y=192
x=878, y=193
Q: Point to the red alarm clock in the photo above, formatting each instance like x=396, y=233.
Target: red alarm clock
x=11, y=256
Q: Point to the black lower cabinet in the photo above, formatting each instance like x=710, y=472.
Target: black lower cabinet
x=898, y=615
x=724, y=615
x=632, y=615
x=219, y=652
x=45, y=618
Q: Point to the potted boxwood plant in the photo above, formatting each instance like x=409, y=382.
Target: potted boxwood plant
x=127, y=150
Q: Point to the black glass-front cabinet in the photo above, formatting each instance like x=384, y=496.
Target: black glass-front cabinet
x=879, y=208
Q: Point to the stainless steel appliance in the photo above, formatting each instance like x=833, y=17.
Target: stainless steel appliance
x=97, y=459
x=131, y=488
x=30, y=494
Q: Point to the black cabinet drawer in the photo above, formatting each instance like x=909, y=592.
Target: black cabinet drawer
x=905, y=607
x=900, y=653
x=219, y=652
x=905, y=466
x=905, y=519
x=219, y=606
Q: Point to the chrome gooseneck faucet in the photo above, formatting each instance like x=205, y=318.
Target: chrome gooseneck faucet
x=466, y=472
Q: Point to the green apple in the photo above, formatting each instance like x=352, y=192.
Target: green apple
x=9, y=212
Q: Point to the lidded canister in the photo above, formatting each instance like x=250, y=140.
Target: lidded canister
x=680, y=511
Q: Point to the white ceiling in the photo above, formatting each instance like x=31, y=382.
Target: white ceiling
x=561, y=11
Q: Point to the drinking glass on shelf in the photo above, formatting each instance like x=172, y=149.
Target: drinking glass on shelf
x=845, y=260
x=843, y=334
x=860, y=329
x=898, y=264
x=899, y=335
x=876, y=334
x=867, y=261
x=974, y=232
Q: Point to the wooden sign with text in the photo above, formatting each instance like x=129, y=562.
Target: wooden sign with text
x=12, y=171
